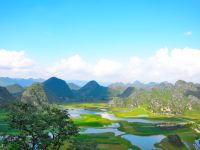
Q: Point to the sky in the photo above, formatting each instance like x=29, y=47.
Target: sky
x=103, y=40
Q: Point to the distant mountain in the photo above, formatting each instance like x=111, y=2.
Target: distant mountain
x=120, y=87
x=117, y=88
x=137, y=84
x=73, y=86
x=163, y=98
x=5, y=96
x=35, y=95
x=5, y=81
x=80, y=83
x=57, y=90
x=15, y=89
x=127, y=92
x=93, y=91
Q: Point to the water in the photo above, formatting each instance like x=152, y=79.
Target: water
x=144, y=142
x=76, y=112
x=113, y=117
x=102, y=130
x=110, y=128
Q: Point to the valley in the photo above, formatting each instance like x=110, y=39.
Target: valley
x=141, y=116
x=140, y=128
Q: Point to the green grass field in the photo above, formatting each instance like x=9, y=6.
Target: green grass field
x=150, y=129
x=91, y=120
x=127, y=112
x=165, y=145
x=85, y=105
x=106, y=141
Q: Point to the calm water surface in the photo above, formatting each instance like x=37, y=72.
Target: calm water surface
x=144, y=142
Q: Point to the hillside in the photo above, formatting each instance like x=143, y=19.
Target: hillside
x=57, y=90
x=35, y=95
x=93, y=91
x=73, y=86
x=127, y=92
x=117, y=88
x=163, y=98
x=5, y=81
x=5, y=96
x=15, y=89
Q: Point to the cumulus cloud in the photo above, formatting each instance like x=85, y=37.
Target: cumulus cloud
x=164, y=65
x=15, y=64
x=13, y=59
x=106, y=67
x=73, y=67
x=168, y=65
x=189, y=33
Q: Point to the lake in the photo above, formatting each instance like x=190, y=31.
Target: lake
x=144, y=142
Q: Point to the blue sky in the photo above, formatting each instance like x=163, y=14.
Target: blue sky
x=85, y=36
x=97, y=28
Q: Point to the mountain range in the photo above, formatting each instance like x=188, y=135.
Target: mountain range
x=5, y=81
x=58, y=90
x=162, y=98
x=156, y=97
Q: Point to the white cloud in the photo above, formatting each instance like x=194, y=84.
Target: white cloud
x=168, y=65
x=189, y=33
x=73, y=67
x=106, y=67
x=15, y=64
x=164, y=65
x=13, y=59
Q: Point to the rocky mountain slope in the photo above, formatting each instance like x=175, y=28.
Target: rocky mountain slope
x=163, y=98
x=35, y=95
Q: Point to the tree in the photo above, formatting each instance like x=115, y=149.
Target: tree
x=39, y=128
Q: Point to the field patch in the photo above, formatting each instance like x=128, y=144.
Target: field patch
x=91, y=120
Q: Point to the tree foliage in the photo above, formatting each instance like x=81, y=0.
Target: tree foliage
x=39, y=128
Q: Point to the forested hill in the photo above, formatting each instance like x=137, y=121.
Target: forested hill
x=159, y=98
x=5, y=96
x=162, y=98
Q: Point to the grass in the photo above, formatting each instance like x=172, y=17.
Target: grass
x=186, y=134
x=91, y=120
x=169, y=119
x=127, y=112
x=193, y=116
x=106, y=141
x=165, y=145
x=85, y=105
x=187, y=138
x=146, y=129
